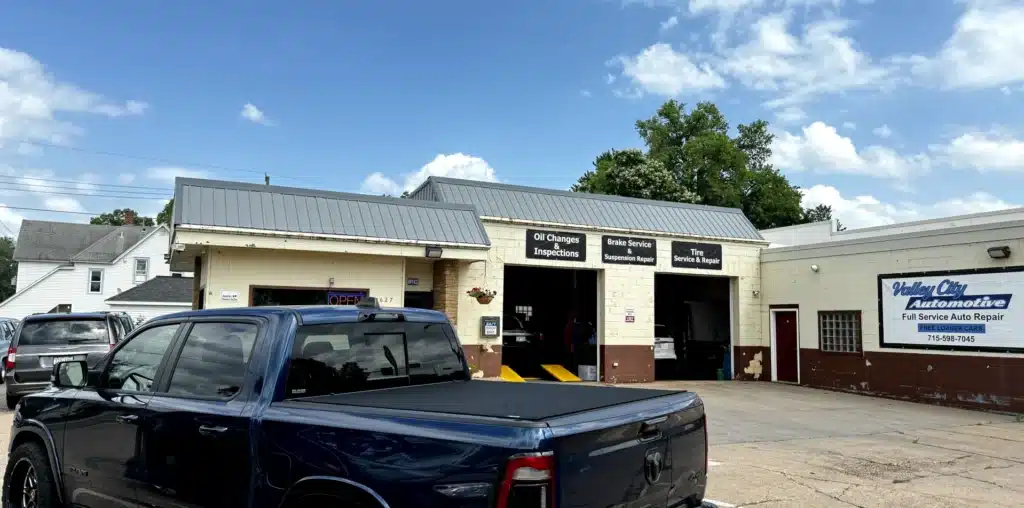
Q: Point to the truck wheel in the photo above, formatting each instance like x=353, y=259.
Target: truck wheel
x=12, y=401
x=317, y=500
x=28, y=481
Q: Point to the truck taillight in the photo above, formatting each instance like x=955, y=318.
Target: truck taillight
x=10, y=358
x=528, y=482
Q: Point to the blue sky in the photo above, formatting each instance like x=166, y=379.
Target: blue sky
x=887, y=110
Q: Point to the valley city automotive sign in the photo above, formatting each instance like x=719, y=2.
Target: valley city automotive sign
x=952, y=310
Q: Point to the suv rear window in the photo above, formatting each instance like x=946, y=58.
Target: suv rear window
x=63, y=331
x=349, y=357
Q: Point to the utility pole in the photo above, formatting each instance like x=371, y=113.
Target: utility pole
x=266, y=178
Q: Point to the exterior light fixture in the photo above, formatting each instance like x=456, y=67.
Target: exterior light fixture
x=815, y=268
x=756, y=293
x=434, y=252
x=1001, y=252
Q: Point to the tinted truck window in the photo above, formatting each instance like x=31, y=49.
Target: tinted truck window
x=64, y=331
x=347, y=357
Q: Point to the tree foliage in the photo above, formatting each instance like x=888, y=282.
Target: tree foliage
x=165, y=215
x=116, y=218
x=8, y=267
x=692, y=158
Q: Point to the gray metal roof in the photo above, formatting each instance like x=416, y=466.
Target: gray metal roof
x=594, y=210
x=40, y=240
x=292, y=210
x=163, y=289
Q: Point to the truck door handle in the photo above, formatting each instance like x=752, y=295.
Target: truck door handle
x=648, y=432
x=210, y=430
x=127, y=418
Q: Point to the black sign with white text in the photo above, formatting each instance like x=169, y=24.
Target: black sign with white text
x=705, y=256
x=556, y=245
x=626, y=250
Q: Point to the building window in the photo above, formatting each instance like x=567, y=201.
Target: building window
x=840, y=331
x=95, y=280
x=141, y=270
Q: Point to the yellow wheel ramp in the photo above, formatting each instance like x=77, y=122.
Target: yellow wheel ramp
x=507, y=374
x=560, y=373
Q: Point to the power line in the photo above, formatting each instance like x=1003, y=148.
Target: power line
x=79, y=182
x=85, y=191
x=51, y=210
x=158, y=160
x=82, y=194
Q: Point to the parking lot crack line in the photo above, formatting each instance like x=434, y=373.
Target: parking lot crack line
x=792, y=478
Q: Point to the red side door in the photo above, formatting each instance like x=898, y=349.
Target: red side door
x=786, y=347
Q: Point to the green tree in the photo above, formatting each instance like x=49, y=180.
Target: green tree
x=165, y=215
x=631, y=173
x=8, y=267
x=818, y=213
x=116, y=218
x=707, y=166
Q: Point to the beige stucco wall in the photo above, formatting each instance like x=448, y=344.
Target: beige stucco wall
x=624, y=286
x=234, y=269
x=423, y=271
x=848, y=270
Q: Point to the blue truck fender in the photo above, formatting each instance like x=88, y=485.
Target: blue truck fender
x=32, y=430
x=342, y=488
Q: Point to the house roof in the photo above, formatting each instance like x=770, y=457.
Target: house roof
x=162, y=289
x=594, y=210
x=40, y=240
x=292, y=210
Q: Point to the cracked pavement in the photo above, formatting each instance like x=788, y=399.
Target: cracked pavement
x=775, y=445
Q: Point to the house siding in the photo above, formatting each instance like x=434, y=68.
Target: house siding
x=31, y=271
x=70, y=286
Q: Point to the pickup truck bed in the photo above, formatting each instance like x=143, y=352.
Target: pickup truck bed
x=519, y=401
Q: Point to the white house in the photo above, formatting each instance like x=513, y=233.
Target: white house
x=75, y=267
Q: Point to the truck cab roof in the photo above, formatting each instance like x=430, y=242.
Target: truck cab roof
x=68, y=316
x=316, y=314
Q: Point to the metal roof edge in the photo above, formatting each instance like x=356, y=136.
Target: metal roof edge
x=181, y=182
x=603, y=229
x=585, y=195
x=328, y=236
x=426, y=183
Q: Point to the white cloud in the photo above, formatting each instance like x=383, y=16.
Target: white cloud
x=850, y=125
x=669, y=23
x=33, y=102
x=791, y=114
x=125, y=178
x=63, y=204
x=821, y=149
x=661, y=70
x=984, y=50
x=586, y=94
x=11, y=221
x=168, y=174
x=795, y=67
x=255, y=115
x=456, y=165
x=882, y=131
x=983, y=152
x=866, y=211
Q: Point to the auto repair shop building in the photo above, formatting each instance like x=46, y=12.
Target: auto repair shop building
x=622, y=264
x=923, y=311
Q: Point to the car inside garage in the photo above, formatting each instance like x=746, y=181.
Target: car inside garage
x=549, y=318
x=692, y=327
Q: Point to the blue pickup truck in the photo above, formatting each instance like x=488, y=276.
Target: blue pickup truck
x=355, y=406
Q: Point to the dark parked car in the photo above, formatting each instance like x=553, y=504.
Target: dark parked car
x=352, y=406
x=42, y=340
x=7, y=328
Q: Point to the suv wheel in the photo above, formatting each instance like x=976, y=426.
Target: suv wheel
x=28, y=481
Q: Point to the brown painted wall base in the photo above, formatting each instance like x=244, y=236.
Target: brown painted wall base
x=750, y=366
x=975, y=382
x=635, y=364
x=490, y=363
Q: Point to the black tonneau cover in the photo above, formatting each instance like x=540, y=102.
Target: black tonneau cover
x=498, y=399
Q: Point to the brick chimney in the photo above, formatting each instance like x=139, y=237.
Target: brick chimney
x=129, y=218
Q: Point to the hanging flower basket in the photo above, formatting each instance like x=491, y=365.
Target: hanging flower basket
x=483, y=296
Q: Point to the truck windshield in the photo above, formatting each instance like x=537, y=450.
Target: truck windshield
x=348, y=357
x=63, y=331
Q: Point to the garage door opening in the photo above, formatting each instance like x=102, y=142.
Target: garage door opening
x=261, y=296
x=549, y=318
x=692, y=326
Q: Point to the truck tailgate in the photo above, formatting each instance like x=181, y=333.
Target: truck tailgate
x=650, y=453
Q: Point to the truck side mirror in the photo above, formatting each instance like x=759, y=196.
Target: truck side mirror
x=73, y=374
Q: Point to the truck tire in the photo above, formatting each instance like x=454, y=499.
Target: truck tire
x=28, y=481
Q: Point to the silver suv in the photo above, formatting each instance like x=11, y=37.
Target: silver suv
x=45, y=339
